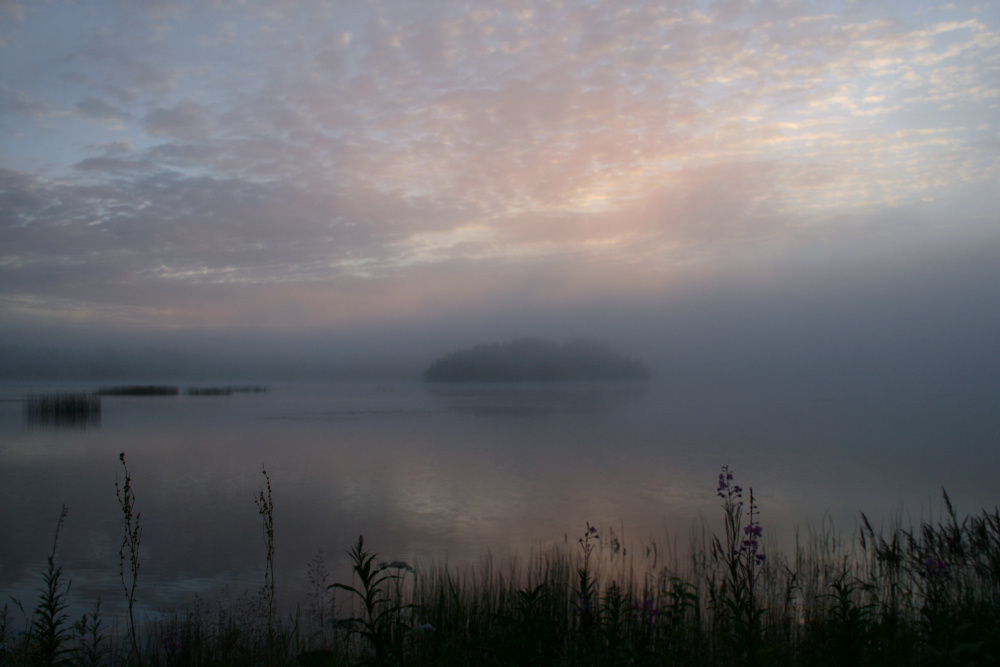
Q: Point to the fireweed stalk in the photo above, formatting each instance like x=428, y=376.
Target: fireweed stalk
x=588, y=592
x=740, y=614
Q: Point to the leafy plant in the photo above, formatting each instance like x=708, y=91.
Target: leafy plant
x=91, y=642
x=49, y=628
x=850, y=622
x=380, y=617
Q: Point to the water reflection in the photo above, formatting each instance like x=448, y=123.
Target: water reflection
x=535, y=398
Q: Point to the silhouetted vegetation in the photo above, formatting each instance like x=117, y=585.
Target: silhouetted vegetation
x=531, y=359
x=225, y=391
x=139, y=390
x=907, y=597
x=71, y=409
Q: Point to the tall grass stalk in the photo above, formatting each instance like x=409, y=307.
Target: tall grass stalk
x=265, y=507
x=129, y=549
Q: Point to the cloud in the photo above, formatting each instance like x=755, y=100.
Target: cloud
x=93, y=107
x=187, y=120
x=109, y=164
x=15, y=10
x=19, y=102
x=266, y=155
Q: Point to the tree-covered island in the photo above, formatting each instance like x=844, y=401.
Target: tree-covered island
x=533, y=360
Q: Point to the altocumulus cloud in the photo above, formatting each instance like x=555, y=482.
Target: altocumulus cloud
x=281, y=164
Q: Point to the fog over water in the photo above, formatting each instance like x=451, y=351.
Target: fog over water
x=893, y=312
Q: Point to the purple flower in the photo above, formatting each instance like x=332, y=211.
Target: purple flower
x=646, y=609
x=726, y=488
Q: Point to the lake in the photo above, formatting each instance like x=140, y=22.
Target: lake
x=450, y=474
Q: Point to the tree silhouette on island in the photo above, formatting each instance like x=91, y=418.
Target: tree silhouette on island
x=535, y=360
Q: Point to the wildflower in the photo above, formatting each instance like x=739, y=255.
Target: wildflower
x=727, y=489
x=645, y=609
x=589, y=534
x=585, y=607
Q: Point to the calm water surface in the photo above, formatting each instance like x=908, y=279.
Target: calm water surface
x=450, y=474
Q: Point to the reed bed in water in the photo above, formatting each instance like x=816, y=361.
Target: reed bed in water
x=924, y=595
x=226, y=390
x=139, y=390
x=62, y=409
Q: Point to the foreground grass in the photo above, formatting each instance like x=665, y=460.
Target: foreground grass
x=928, y=595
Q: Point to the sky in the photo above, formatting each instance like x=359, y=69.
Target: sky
x=697, y=182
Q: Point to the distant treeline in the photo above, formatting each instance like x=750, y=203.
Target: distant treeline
x=530, y=359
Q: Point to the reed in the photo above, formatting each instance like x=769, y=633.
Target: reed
x=139, y=390
x=923, y=595
x=75, y=409
x=226, y=390
x=265, y=507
